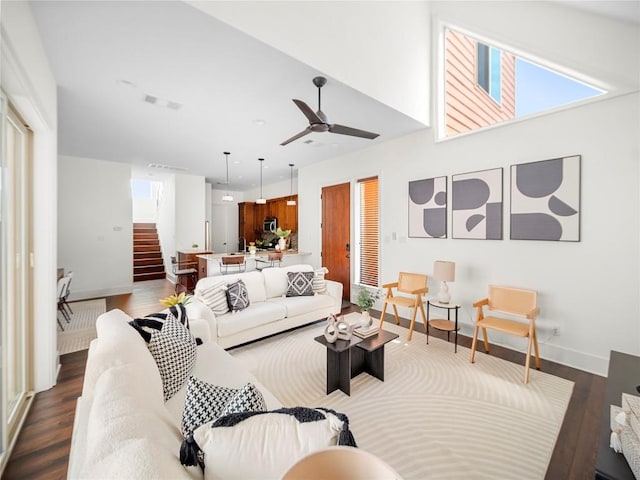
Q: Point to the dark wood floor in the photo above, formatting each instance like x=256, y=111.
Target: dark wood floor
x=42, y=449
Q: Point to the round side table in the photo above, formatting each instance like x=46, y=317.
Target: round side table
x=440, y=323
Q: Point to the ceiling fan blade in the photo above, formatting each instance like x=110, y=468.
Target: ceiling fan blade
x=354, y=132
x=310, y=114
x=306, y=131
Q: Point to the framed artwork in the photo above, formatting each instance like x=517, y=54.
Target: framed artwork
x=476, y=205
x=545, y=200
x=428, y=208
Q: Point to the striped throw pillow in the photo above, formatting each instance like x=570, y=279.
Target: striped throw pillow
x=319, y=284
x=215, y=297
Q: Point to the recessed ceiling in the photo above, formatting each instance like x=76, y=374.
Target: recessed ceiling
x=161, y=82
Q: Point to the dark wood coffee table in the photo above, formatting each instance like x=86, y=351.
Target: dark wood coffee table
x=346, y=359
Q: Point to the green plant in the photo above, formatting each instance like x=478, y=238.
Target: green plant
x=195, y=245
x=367, y=298
x=283, y=233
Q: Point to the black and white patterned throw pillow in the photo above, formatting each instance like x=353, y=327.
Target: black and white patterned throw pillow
x=153, y=322
x=174, y=350
x=206, y=403
x=237, y=296
x=299, y=284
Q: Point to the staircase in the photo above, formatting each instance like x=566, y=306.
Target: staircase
x=147, y=256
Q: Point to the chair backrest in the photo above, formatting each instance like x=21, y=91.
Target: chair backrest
x=63, y=285
x=515, y=301
x=233, y=260
x=275, y=256
x=411, y=281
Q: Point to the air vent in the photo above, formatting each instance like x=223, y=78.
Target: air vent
x=167, y=167
x=161, y=102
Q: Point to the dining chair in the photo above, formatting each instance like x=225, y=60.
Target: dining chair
x=234, y=262
x=184, y=271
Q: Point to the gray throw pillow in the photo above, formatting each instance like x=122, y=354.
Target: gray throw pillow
x=299, y=284
x=237, y=296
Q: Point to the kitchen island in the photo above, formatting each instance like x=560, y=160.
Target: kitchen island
x=209, y=264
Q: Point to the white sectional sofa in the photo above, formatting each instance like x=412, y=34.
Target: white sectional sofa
x=123, y=428
x=270, y=311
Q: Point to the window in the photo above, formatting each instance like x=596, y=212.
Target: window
x=140, y=188
x=367, y=232
x=485, y=85
x=488, y=68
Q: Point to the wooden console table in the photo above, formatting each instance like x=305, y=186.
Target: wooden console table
x=624, y=376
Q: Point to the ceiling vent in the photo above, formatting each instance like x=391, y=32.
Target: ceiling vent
x=167, y=167
x=161, y=102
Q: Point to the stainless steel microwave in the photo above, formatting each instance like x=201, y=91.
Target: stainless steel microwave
x=270, y=224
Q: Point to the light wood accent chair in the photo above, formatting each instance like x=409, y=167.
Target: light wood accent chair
x=414, y=284
x=514, y=302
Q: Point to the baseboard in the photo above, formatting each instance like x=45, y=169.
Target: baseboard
x=555, y=353
x=103, y=292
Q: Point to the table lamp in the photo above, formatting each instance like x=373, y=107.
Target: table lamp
x=444, y=272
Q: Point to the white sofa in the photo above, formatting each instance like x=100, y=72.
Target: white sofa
x=269, y=311
x=123, y=428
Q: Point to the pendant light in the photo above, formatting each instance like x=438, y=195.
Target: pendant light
x=227, y=197
x=261, y=200
x=291, y=202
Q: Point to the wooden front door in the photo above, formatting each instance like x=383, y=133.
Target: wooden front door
x=336, y=219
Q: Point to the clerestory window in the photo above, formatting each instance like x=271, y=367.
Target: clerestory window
x=486, y=85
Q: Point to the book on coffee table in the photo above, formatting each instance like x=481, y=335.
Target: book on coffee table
x=363, y=332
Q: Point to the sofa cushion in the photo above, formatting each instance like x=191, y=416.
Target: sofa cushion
x=215, y=366
x=206, y=402
x=129, y=432
x=254, y=282
x=300, y=305
x=237, y=296
x=266, y=444
x=116, y=335
x=275, y=279
x=258, y=314
x=214, y=296
x=299, y=284
x=174, y=350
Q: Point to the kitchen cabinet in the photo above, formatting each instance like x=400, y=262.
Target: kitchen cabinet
x=251, y=216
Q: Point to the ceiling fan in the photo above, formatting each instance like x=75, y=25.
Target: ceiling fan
x=318, y=120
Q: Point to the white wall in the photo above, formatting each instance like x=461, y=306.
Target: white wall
x=95, y=230
x=166, y=222
x=190, y=211
x=378, y=48
x=28, y=81
x=588, y=290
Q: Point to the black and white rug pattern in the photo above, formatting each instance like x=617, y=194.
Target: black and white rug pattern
x=77, y=334
x=436, y=415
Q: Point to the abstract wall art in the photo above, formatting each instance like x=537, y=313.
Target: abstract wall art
x=545, y=200
x=476, y=205
x=428, y=208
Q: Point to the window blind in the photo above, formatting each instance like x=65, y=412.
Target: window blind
x=368, y=231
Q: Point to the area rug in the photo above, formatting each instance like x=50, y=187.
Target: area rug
x=436, y=415
x=78, y=334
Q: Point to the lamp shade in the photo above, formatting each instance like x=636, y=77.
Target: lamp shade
x=444, y=271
